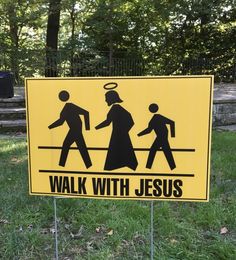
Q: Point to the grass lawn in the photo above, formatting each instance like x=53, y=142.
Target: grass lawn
x=106, y=229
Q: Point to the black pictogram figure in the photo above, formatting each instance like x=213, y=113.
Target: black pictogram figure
x=158, y=124
x=120, y=151
x=71, y=115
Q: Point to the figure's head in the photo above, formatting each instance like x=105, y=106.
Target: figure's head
x=112, y=97
x=64, y=96
x=153, y=108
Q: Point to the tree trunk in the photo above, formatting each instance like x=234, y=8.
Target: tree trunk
x=53, y=26
x=14, y=52
x=110, y=36
x=73, y=60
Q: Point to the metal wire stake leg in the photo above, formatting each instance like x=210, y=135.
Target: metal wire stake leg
x=55, y=226
x=151, y=232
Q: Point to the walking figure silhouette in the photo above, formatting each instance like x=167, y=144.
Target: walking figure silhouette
x=120, y=151
x=71, y=115
x=158, y=124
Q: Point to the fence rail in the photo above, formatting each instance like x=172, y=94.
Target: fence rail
x=37, y=63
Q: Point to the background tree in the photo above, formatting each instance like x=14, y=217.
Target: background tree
x=53, y=26
x=170, y=37
x=19, y=22
x=73, y=15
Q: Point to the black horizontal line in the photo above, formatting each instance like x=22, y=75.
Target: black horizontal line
x=60, y=195
x=120, y=173
x=105, y=149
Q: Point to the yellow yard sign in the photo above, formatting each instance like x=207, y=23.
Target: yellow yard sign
x=120, y=138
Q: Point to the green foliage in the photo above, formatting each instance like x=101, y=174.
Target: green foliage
x=21, y=22
x=172, y=37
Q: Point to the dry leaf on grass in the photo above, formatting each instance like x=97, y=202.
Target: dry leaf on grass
x=4, y=221
x=30, y=227
x=98, y=229
x=110, y=233
x=89, y=245
x=52, y=231
x=79, y=234
x=224, y=230
x=15, y=160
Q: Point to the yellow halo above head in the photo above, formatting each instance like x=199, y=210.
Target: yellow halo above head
x=110, y=85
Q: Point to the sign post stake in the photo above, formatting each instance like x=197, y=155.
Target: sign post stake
x=151, y=232
x=55, y=227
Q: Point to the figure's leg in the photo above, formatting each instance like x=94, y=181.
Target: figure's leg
x=152, y=154
x=168, y=154
x=83, y=151
x=65, y=149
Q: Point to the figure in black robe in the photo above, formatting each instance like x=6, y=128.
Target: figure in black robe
x=120, y=151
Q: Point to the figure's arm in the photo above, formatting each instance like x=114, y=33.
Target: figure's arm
x=85, y=113
x=86, y=120
x=172, y=125
x=172, y=128
x=57, y=123
x=106, y=122
x=145, y=131
x=103, y=124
